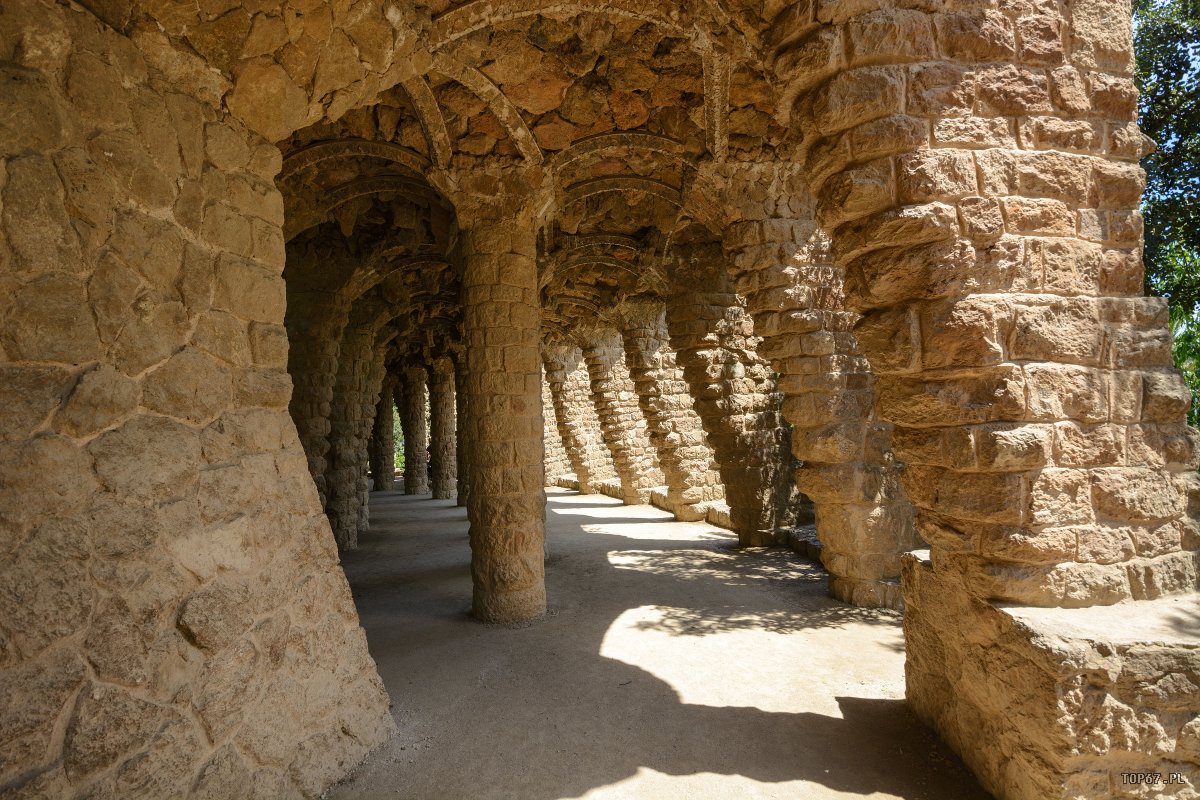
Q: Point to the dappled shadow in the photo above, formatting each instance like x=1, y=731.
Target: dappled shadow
x=584, y=699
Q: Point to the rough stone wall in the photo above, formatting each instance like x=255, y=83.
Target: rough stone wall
x=983, y=205
x=172, y=614
x=1077, y=702
x=674, y=428
x=412, y=399
x=443, y=424
x=317, y=311
x=503, y=429
x=734, y=396
x=621, y=420
x=782, y=266
x=355, y=396
x=460, y=449
x=579, y=425
x=558, y=463
x=381, y=450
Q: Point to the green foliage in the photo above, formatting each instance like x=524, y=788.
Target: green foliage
x=1167, y=48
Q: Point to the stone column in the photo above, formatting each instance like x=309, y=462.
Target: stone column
x=461, y=446
x=442, y=419
x=734, y=396
x=675, y=429
x=977, y=171
x=382, y=450
x=781, y=264
x=503, y=420
x=356, y=393
x=412, y=401
x=621, y=418
x=571, y=394
x=558, y=463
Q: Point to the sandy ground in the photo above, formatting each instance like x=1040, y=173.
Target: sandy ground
x=669, y=666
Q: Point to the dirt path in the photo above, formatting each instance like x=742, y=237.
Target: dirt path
x=669, y=666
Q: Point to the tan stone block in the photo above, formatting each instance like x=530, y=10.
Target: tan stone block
x=974, y=132
x=952, y=448
x=1041, y=39
x=940, y=90
x=1135, y=494
x=856, y=96
x=890, y=338
x=1059, y=497
x=1065, y=330
x=1047, y=546
x=897, y=133
x=1012, y=447
x=1057, y=175
x=1165, y=397
x=50, y=322
x=1038, y=216
x=1012, y=90
x=891, y=35
x=976, y=36
x=964, y=333
x=991, y=394
x=934, y=174
x=982, y=496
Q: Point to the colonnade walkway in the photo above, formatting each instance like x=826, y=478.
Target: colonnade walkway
x=669, y=666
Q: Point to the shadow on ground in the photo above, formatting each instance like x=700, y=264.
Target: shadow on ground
x=647, y=618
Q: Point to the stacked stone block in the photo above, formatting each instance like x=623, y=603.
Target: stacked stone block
x=675, y=430
x=356, y=392
x=735, y=397
x=381, y=450
x=796, y=296
x=579, y=425
x=558, y=463
x=443, y=424
x=621, y=420
x=172, y=613
x=502, y=384
x=412, y=399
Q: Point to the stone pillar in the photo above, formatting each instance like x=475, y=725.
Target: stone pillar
x=442, y=423
x=558, y=463
x=318, y=306
x=411, y=401
x=461, y=456
x=571, y=394
x=381, y=451
x=978, y=174
x=621, y=418
x=675, y=430
x=503, y=420
x=734, y=396
x=356, y=393
x=781, y=264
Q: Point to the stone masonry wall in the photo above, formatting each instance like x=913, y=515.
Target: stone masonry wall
x=558, y=464
x=674, y=428
x=735, y=397
x=571, y=392
x=172, y=614
x=443, y=424
x=411, y=400
x=381, y=449
x=621, y=419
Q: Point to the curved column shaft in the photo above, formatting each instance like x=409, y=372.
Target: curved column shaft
x=382, y=449
x=442, y=419
x=558, y=462
x=460, y=437
x=735, y=397
x=674, y=428
x=503, y=423
x=411, y=403
x=621, y=418
x=579, y=426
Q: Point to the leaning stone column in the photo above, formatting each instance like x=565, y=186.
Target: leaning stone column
x=571, y=394
x=461, y=456
x=416, y=433
x=382, y=450
x=978, y=174
x=503, y=423
x=558, y=462
x=675, y=429
x=782, y=265
x=442, y=419
x=734, y=396
x=621, y=418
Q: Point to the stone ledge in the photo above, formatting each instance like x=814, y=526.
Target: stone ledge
x=1049, y=703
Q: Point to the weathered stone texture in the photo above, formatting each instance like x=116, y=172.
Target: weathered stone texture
x=381, y=450
x=579, y=425
x=412, y=399
x=558, y=463
x=443, y=429
x=621, y=420
x=162, y=536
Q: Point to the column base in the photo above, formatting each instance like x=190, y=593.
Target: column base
x=1057, y=703
x=510, y=608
